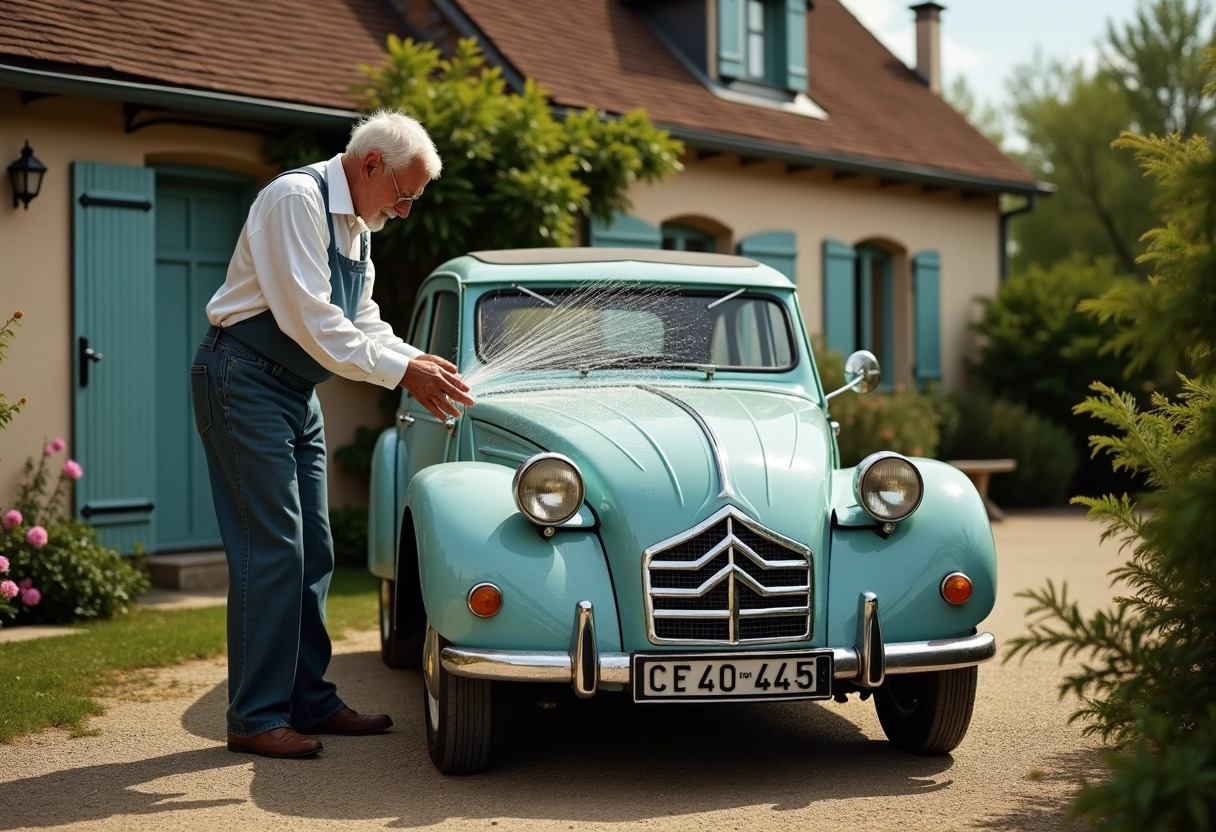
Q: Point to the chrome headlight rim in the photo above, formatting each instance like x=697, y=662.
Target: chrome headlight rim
x=531, y=462
x=863, y=470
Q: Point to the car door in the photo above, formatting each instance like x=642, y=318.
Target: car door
x=436, y=331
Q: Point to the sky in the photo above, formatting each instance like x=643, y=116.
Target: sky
x=985, y=40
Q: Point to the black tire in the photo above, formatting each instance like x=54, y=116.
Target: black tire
x=397, y=650
x=458, y=734
x=927, y=713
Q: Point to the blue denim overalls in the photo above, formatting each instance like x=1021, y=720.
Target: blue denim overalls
x=256, y=410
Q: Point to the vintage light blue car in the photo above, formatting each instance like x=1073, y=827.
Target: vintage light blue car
x=647, y=500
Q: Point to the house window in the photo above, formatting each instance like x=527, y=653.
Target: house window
x=678, y=237
x=875, y=304
x=759, y=28
x=763, y=42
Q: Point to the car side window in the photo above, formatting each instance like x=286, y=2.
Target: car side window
x=418, y=330
x=445, y=326
x=750, y=333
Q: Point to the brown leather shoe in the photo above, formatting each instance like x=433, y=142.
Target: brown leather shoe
x=277, y=742
x=350, y=723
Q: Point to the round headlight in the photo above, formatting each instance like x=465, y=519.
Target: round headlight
x=548, y=489
x=888, y=486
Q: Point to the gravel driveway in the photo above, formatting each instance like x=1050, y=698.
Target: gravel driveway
x=159, y=762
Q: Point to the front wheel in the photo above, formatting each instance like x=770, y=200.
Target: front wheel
x=397, y=650
x=457, y=714
x=927, y=713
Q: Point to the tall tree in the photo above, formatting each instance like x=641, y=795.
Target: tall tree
x=1103, y=202
x=1150, y=81
x=1157, y=58
x=514, y=174
x=981, y=115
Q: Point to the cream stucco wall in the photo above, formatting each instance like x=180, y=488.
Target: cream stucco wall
x=36, y=264
x=734, y=200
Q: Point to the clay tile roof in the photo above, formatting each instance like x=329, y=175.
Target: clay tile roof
x=587, y=53
x=604, y=56
x=300, y=51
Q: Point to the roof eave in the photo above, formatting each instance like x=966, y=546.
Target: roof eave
x=839, y=163
x=225, y=105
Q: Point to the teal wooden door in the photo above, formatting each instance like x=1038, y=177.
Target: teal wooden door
x=113, y=268
x=198, y=217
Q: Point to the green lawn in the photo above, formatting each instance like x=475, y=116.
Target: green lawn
x=53, y=681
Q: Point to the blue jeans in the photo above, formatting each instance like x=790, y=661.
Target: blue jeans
x=264, y=438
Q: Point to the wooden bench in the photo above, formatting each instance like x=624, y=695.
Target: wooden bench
x=979, y=471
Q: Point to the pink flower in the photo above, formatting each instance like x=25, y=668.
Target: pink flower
x=36, y=537
x=30, y=597
x=3, y=563
x=25, y=583
x=47, y=450
x=58, y=444
x=72, y=469
x=8, y=589
x=12, y=518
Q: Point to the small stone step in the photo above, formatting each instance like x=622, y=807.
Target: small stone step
x=189, y=571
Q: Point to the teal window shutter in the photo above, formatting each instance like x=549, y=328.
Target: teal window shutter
x=114, y=310
x=926, y=288
x=839, y=296
x=795, y=45
x=730, y=38
x=778, y=249
x=678, y=237
x=625, y=232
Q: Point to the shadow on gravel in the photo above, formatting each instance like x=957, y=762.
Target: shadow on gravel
x=1035, y=811
x=97, y=792
x=601, y=760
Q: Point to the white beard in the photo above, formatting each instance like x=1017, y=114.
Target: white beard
x=377, y=222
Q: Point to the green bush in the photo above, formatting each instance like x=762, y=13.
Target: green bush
x=8, y=588
x=988, y=428
x=61, y=569
x=349, y=528
x=899, y=420
x=1039, y=350
x=76, y=578
x=1145, y=668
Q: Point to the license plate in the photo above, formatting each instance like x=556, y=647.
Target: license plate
x=731, y=677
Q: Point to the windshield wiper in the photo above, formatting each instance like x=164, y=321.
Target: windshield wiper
x=540, y=298
x=649, y=362
x=725, y=298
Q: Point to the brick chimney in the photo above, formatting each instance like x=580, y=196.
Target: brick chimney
x=929, y=44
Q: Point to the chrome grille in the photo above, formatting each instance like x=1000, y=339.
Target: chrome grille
x=728, y=581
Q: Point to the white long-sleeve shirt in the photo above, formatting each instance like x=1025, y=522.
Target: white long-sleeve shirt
x=281, y=263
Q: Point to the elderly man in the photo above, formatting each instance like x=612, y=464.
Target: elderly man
x=295, y=309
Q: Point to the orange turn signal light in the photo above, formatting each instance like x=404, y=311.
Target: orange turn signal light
x=956, y=588
x=485, y=600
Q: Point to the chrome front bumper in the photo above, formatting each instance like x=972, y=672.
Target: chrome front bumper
x=583, y=667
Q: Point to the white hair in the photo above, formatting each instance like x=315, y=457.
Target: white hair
x=399, y=139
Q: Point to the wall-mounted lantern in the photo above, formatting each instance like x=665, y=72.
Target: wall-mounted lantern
x=26, y=174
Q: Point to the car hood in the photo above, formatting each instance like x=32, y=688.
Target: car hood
x=658, y=461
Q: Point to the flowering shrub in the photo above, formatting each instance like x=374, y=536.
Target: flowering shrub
x=59, y=572
x=900, y=420
x=8, y=411
x=8, y=590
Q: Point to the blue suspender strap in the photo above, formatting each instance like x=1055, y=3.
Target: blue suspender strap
x=325, y=200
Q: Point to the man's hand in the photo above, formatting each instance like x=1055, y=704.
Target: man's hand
x=435, y=384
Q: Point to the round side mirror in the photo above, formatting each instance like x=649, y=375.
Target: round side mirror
x=861, y=373
x=862, y=364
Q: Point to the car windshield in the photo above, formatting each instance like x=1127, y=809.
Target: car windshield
x=604, y=327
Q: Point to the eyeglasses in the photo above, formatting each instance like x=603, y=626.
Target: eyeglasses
x=392, y=174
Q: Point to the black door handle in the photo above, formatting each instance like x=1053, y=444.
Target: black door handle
x=87, y=356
